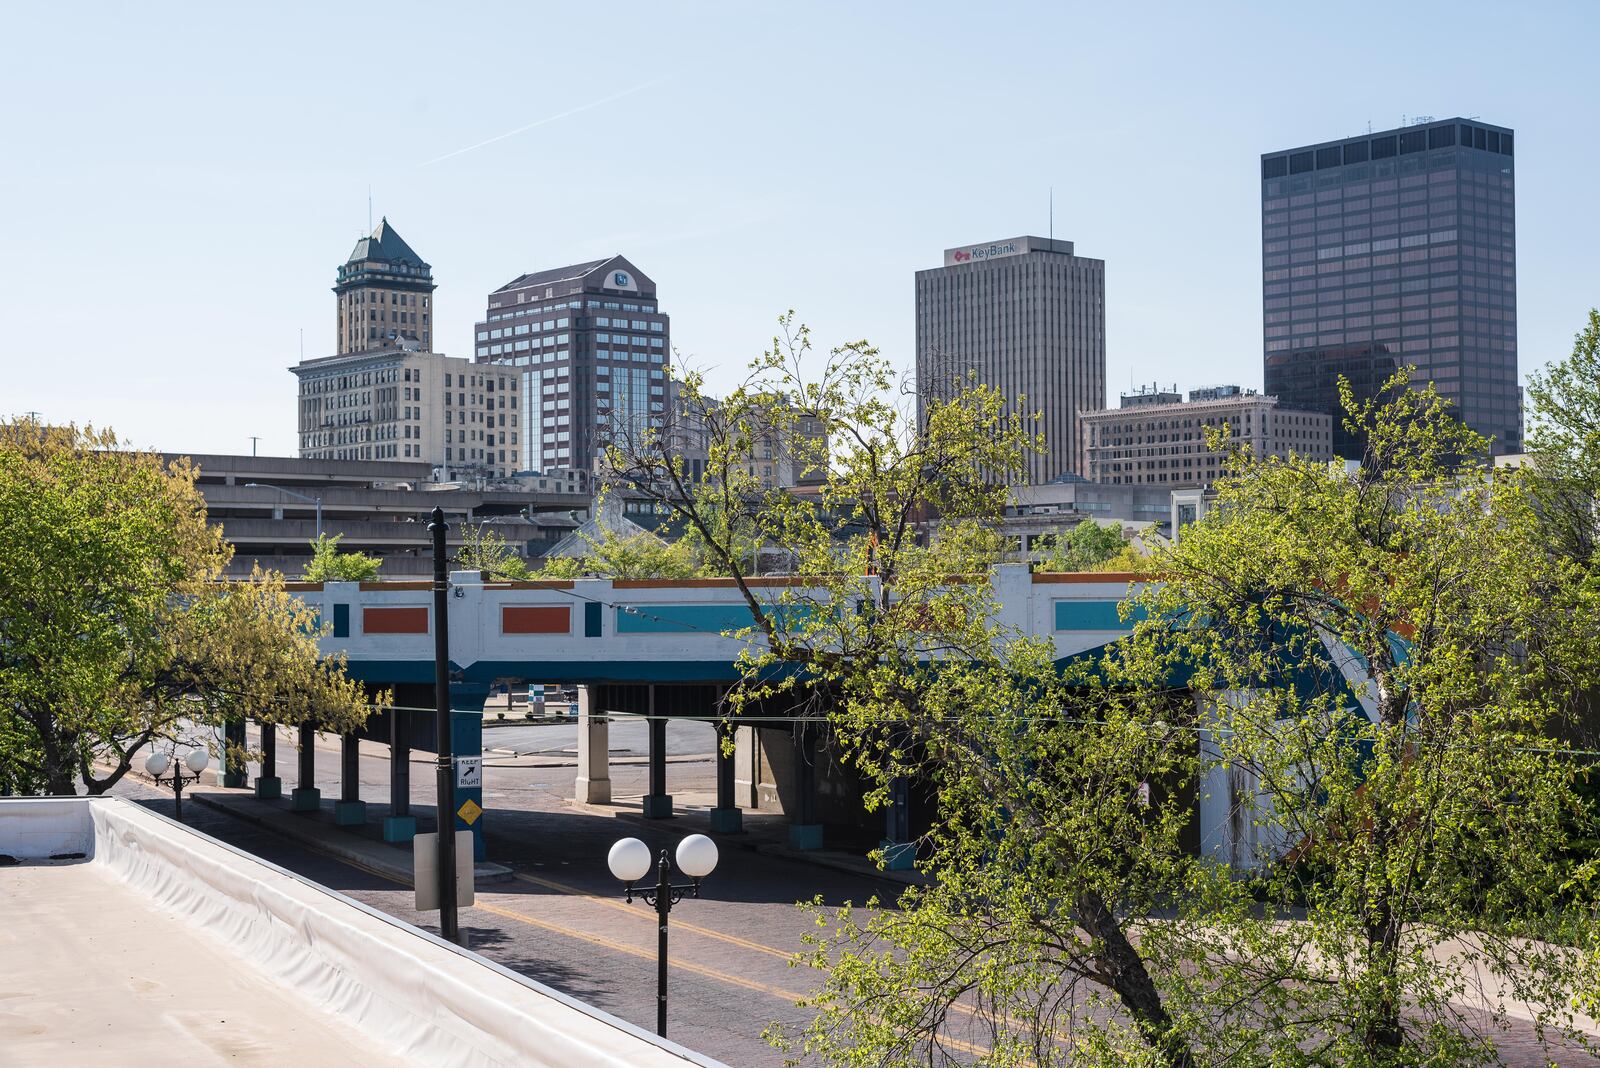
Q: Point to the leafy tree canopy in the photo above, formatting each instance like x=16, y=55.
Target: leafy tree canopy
x=328, y=564
x=115, y=629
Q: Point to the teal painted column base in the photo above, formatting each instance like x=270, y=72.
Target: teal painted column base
x=349, y=813
x=269, y=787
x=306, y=800
x=727, y=820
x=898, y=856
x=399, y=828
x=657, y=806
x=805, y=836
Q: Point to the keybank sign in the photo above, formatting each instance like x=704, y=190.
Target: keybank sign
x=971, y=253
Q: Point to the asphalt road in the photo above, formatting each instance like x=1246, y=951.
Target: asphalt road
x=628, y=737
x=562, y=920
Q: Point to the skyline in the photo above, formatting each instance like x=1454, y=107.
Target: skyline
x=180, y=199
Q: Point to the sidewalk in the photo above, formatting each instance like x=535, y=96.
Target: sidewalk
x=316, y=831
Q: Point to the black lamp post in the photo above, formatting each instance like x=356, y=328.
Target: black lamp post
x=444, y=764
x=629, y=861
x=156, y=765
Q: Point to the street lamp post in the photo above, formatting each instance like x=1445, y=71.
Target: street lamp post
x=629, y=861
x=156, y=764
x=317, y=500
x=444, y=760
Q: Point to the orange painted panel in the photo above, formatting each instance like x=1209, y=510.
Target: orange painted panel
x=536, y=619
x=394, y=620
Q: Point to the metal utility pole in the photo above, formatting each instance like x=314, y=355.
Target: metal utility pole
x=445, y=762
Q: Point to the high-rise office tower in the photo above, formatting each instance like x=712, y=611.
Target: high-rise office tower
x=1026, y=316
x=591, y=345
x=1393, y=249
x=385, y=295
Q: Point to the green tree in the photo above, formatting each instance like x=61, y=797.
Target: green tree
x=636, y=556
x=115, y=629
x=1564, y=439
x=1025, y=935
x=1408, y=828
x=483, y=549
x=1084, y=548
x=328, y=564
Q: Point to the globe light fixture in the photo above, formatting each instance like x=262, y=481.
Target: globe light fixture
x=161, y=768
x=629, y=861
x=697, y=856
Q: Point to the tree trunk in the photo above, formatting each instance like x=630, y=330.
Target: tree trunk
x=1384, y=1034
x=1126, y=975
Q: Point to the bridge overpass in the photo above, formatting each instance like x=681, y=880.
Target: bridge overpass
x=657, y=648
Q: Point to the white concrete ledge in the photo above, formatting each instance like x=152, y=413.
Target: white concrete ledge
x=413, y=997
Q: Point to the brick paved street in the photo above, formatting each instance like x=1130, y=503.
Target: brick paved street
x=561, y=919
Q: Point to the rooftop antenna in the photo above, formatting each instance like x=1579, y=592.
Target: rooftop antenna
x=369, y=209
x=253, y=439
x=1052, y=214
x=302, y=344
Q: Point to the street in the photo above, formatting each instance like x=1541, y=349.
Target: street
x=562, y=919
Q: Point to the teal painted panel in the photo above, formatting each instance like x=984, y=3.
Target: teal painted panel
x=1092, y=615
x=681, y=618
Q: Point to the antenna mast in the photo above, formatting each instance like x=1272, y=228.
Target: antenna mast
x=1052, y=213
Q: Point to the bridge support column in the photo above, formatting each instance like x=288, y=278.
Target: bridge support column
x=805, y=831
x=234, y=745
x=594, y=751
x=350, y=810
x=268, y=785
x=306, y=796
x=399, y=825
x=657, y=803
x=726, y=817
x=899, y=852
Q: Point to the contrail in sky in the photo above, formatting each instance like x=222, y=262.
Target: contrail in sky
x=542, y=122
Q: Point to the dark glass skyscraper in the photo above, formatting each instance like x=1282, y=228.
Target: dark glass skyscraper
x=1393, y=249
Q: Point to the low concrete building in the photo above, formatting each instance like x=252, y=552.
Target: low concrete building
x=1156, y=440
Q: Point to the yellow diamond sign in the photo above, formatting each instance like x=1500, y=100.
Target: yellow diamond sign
x=469, y=811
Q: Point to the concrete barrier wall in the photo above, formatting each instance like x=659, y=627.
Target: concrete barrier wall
x=408, y=992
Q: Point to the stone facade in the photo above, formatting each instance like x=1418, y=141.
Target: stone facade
x=1026, y=316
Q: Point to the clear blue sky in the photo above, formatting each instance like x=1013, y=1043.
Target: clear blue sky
x=178, y=183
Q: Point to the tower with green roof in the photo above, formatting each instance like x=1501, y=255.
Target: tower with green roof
x=385, y=293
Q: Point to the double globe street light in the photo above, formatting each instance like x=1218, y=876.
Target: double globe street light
x=629, y=861
x=156, y=765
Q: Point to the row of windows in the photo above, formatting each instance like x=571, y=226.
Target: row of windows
x=1406, y=142
x=609, y=305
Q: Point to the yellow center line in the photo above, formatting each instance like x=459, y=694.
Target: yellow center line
x=705, y=932
x=790, y=996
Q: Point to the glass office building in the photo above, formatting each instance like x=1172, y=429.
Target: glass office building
x=1394, y=249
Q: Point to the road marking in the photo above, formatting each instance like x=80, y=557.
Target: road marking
x=791, y=996
x=707, y=932
x=646, y=954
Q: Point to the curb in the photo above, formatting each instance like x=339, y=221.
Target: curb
x=368, y=859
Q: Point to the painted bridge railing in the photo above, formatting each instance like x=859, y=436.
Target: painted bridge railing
x=645, y=630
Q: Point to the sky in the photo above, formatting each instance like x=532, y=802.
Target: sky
x=179, y=183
